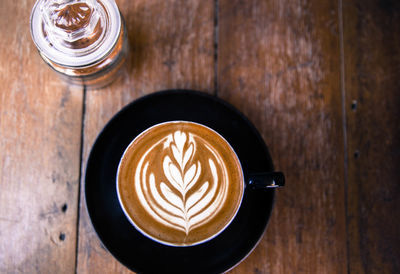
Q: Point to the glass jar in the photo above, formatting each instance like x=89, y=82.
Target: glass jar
x=85, y=41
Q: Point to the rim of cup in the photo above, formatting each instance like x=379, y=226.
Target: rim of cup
x=154, y=238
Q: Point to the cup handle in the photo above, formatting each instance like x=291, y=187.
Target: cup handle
x=266, y=180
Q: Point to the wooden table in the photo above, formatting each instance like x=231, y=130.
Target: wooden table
x=319, y=79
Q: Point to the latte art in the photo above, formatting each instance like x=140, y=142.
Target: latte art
x=180, y=183
x=182, y=201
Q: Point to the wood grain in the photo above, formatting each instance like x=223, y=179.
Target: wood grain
x=171, y=47
x=372, y=69
x=40, y=132
x=278, y=62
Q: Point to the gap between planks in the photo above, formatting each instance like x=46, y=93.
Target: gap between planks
x=80, y=175
x=216, y=40
x=344, y=123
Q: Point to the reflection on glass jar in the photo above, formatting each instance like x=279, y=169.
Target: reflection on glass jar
x=85, y=41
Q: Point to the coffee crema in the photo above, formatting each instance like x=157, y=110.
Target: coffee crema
x=180, y=183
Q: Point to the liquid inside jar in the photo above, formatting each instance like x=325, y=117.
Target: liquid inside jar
x=85, y=41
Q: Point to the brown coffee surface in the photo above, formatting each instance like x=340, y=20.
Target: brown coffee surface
x=180, y=183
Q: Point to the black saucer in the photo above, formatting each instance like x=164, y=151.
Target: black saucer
x=129, y=246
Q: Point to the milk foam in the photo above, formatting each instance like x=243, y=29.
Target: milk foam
x=178, y=198
x=180, y=183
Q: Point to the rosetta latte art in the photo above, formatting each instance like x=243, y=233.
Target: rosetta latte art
x=190, y=191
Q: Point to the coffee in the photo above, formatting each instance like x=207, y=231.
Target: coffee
x=180, y=183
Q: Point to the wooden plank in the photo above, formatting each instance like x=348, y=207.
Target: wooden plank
x=171, y=47
x=40, y=132
x=372, y=66
x=279, y=63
